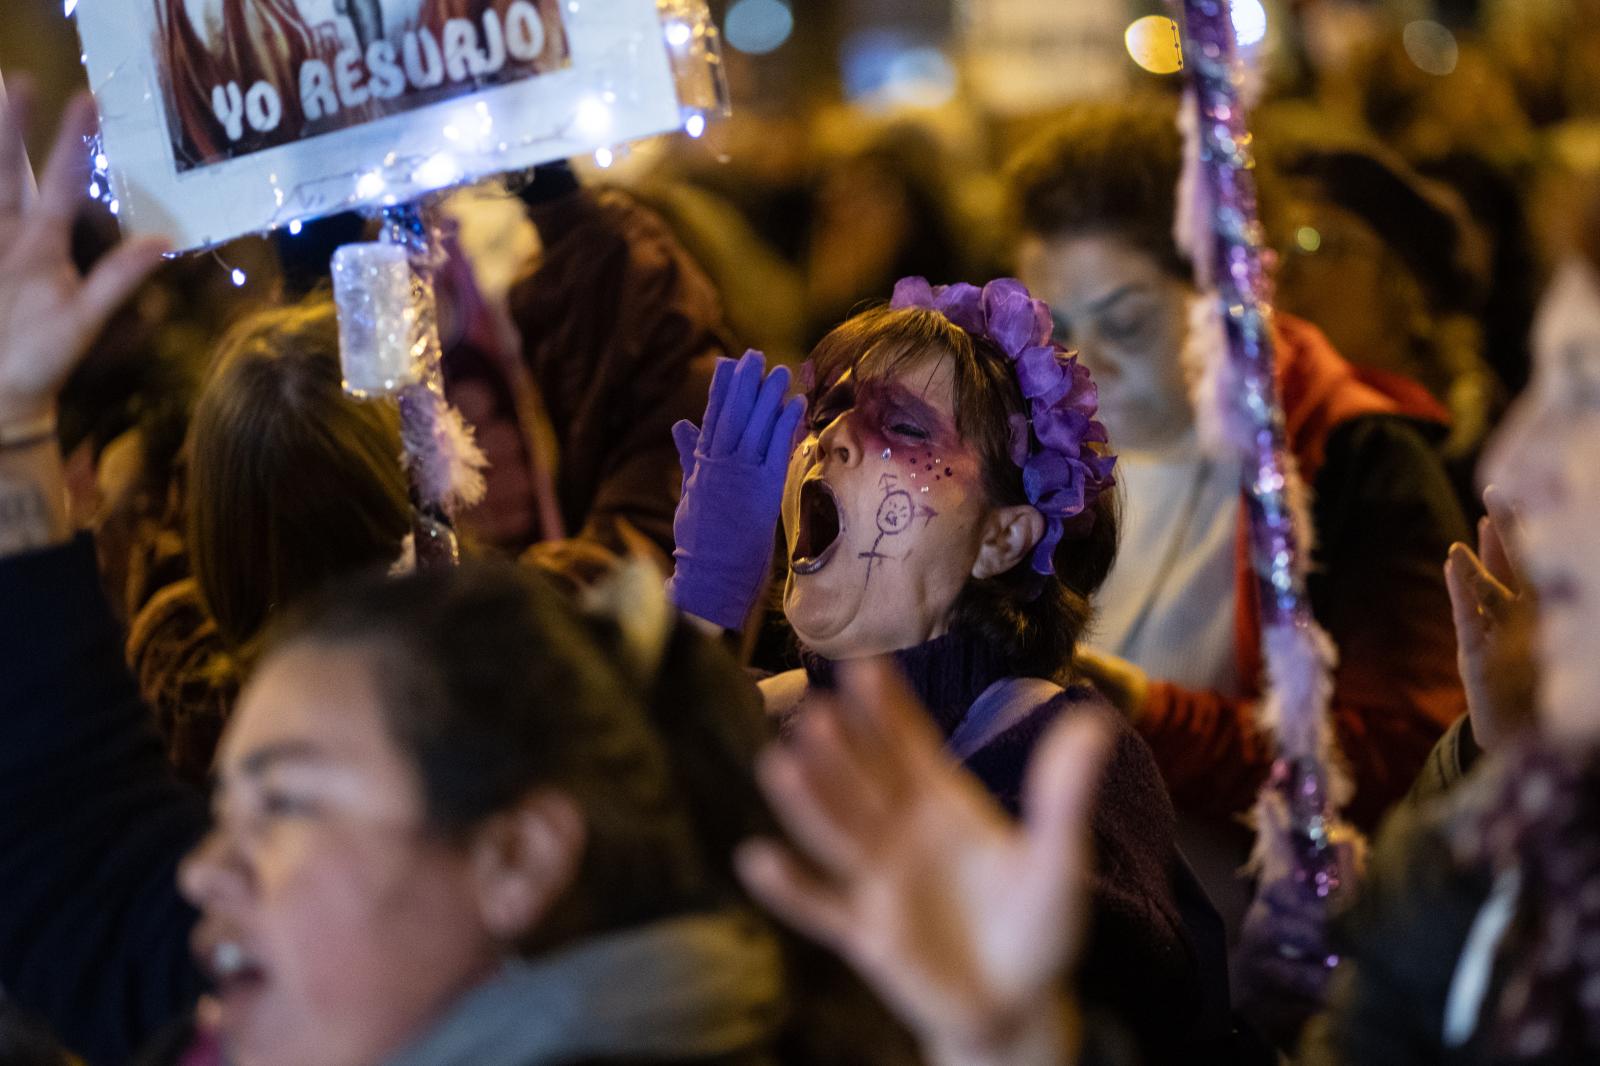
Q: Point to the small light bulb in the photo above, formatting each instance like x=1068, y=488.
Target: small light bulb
x=678, y=34
x=239, y=277
x=101, y=162
x=695, y=126
x=295, y=227
x=116, y=207
x=604, y=158
x=94, y=190
x=593, y=117
x=440, y=169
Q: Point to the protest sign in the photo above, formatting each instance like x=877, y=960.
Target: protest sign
x=226, y=117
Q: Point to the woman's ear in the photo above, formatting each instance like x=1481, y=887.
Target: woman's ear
x=1009, y=536
x=524, y=860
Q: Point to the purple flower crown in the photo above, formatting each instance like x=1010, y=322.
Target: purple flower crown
x=1061, y=472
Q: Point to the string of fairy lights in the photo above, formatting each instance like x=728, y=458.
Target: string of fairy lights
x=687, y=28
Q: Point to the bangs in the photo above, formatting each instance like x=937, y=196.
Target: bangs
x=884, y=342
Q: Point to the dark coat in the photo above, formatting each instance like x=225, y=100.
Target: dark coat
x=94, y=937
x=1400, y=941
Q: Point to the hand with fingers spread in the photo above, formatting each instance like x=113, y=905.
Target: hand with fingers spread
x=1494, y=623
x=967, y=923
x=734, y=466
x=49, y=314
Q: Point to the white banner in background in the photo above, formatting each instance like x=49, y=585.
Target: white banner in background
x=226, y=117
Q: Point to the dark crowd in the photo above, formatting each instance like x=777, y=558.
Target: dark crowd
x=891, y=692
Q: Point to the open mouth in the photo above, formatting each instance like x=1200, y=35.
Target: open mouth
x=232, y=970
x=817, y=539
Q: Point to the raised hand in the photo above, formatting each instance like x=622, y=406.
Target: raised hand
x=967, y=923
x=1494, y=623
x=734, y=464
x=49, y=314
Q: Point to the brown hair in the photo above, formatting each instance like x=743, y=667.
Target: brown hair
x=1037, y=619
x=291, y=481
x=493, y=684
x=1106, y=167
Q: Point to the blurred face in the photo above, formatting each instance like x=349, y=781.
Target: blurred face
x=1547, y=459
x=884, y=514
x=1335, y=272
x=334, y=926
x=1127, y=317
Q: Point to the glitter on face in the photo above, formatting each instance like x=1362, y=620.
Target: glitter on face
x=887, y=452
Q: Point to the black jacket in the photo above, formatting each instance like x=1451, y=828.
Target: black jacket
x=93, y=934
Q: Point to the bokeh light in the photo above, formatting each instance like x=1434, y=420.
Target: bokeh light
x=1155, y=45
x=1249, y=22
x=1431, y=47
x=758, y=26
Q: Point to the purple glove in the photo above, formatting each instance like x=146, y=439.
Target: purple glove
x=733, y=472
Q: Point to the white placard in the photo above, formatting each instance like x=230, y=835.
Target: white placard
x=226, y=117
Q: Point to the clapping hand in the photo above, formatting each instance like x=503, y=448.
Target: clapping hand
x=1494, y=621
x=967, y=923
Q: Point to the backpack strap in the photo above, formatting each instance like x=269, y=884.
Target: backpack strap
x=998, y=708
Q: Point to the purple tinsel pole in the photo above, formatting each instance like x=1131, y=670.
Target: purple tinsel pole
x=1300, y=835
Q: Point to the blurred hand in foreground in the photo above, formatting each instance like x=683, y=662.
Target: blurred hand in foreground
x=1494, y=625
x=49, y=313
x=967, y=923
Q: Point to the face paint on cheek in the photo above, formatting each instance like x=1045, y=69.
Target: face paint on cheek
x=896, y=512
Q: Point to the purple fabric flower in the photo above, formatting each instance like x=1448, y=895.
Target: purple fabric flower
x=1055, y=484
x=912, y=292
x=1061, y=428
x=1044, y=325
x=1008, y=310
x=1044, y=553
x=962, y=304
x=1062, y=476
x=1085, y=393
x=1039, y=372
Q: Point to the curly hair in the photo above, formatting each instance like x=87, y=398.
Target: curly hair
x=1107, y=167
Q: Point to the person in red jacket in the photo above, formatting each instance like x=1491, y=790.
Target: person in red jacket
x=1177, y=644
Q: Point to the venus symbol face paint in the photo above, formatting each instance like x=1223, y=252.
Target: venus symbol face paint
x=882, y=513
